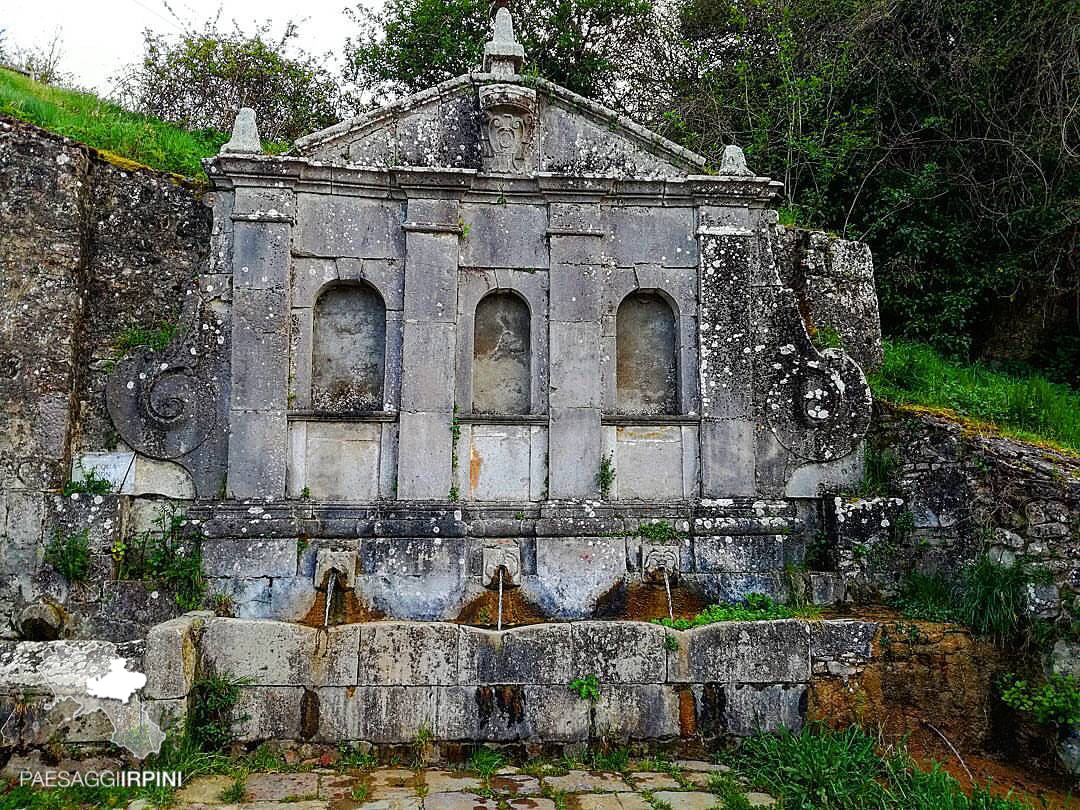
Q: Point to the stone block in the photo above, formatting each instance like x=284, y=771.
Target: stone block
x=619, y=652
x=22, y=516
x=575, y=364
x=271, y=653
x=347, y=227
x=377, y=714
x=574, y=452
x=101, y=516
x=255, y=557
x=260, y=368
x=268, y=713
x=575, y=293
x=424, y=450
x=738, y=554
x=654, y=235
x=649, y=463
x=499, y=462
x=429, y=385
x=746, y=652
x=260, y=255
x=341, y=460
x=573, y=572
x=576, y=781
x=408, y=654
x=171, y=657
x=504, y=236
x=637, y=711
x=755, y=708
x=537, y=654
x=431, y=271
x=727, y=458
x=258, y=449
x=842, y=640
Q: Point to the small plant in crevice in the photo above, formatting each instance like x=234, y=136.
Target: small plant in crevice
x=605, y=476
x=586, y=687
x=881, y=472
x=212, y=712
x=90, y=484
x=671, y=643
x=1056, y=699
x=826, y=337
x=352, y=757
x=420, y=744
x=70, y=555
x=237, y=791
x=485, y=762
x=659, y=531
x=752, y=607
x=729, y=793
x=221, y=603
x=166, y=555
x=615, y=759
x=136, y=337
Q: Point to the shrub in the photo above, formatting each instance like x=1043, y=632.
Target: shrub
x=70, y=555
x=993, y=599
x=753, y=607
x=166, y=556
x=213, y=711
x=1055, y=700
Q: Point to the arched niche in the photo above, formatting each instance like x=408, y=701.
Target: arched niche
x=348, y=349
x=646, y=349
x=501, y=355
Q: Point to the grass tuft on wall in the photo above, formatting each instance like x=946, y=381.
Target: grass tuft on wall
x=1025, y=407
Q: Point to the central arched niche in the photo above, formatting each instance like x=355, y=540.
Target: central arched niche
x=646, y=370
x=348, y=349
x=501, y=358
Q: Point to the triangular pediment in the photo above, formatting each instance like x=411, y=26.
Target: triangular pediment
x=504, y=125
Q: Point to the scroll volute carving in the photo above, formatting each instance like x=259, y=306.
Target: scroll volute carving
x=509, y=123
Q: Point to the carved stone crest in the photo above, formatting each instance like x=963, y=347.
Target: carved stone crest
x=509, y=122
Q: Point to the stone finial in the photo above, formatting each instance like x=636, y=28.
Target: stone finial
x=503, y=55
x=733, y=163
x=245, y=135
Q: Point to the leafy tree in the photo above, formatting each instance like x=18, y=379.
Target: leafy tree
x=413, y=44
x=944, y=133
x=201, y=78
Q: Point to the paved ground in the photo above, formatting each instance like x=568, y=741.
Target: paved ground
x=691, y=785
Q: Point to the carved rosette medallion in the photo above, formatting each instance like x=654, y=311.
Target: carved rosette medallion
x=509, y=123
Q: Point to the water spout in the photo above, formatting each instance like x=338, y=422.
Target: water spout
x=667, y=587
x=329, y=598
x=499, y=625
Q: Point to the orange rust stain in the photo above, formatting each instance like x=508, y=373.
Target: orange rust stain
x=687, y=713
x=642, y=602
x=475, y=463
x=346, y=609
x=483, y=611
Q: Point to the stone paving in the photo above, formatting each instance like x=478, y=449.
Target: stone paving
x=683, y=787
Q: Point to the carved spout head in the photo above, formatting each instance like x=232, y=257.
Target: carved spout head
x=337, y=563
x=505, y=559
x=656, y=560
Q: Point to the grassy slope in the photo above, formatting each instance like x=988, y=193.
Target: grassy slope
x=1030, y=408
x=106, y=126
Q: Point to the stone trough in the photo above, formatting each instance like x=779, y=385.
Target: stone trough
x=392, y=682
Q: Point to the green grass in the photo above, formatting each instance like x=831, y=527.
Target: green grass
x=821, y=769
x=109, y=128
x=754, y=607
x=106, y=126
x=1031, y=408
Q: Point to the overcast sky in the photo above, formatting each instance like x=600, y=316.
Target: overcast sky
x=100, y=36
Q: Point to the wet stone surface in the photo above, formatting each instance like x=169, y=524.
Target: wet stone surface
x=683, y=787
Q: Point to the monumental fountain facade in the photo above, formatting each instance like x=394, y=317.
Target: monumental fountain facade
x=493, y=356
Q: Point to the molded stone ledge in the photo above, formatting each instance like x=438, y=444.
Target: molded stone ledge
x=255, y=557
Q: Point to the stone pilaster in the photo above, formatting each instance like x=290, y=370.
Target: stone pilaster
x=425, y=454
x=258, y=401
x=725, y=351
x=576, y=234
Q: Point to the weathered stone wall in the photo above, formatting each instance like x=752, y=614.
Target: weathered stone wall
x=88, y=249
x=961, y=491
